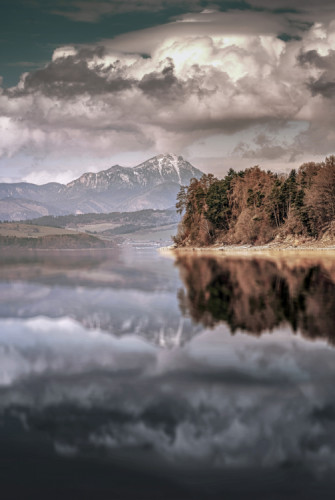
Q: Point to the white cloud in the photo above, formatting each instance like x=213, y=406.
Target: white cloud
x=65, y=51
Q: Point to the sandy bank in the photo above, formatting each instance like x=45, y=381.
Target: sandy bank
x=270, y=248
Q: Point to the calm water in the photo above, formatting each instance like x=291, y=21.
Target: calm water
x=128, y=375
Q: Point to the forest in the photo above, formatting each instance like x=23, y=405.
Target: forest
x=256, y=206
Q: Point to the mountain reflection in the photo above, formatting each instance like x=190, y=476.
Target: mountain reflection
x=120, y=292
x=259, y=294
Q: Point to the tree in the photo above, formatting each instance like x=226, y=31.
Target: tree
x=181, y=200
x=217, y=200
x=321, y=196
x=254, y=205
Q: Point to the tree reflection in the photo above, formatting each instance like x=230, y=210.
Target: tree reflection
x=259, y=294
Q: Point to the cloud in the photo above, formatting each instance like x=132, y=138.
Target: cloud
x=231, y=26
x=324, y=83
x=90, y=11
x=196, y=80
x=162, y=85
x=265, y=147
x=293, y=5
x=70, y=75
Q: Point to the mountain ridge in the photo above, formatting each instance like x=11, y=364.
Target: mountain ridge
x=151, y=184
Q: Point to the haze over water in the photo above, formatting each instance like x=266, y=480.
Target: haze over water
x=126, y=374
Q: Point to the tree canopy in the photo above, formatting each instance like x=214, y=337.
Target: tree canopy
x=255, y=206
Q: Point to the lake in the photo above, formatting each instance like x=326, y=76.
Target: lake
x=126, y=374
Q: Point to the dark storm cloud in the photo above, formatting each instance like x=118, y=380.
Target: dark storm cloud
x=93, y=11
x=161, y=84
x=70, y=76
x=324, y=85
x=312, y=57
x=292, y=6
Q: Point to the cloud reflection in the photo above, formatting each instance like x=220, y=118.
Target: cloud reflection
x=219, y=401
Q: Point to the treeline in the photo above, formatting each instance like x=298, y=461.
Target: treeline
x=139, y=218
x=255, y=206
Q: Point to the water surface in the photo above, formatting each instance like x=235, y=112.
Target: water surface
x=127, y=375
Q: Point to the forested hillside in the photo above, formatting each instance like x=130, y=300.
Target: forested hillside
x=255, y=206
x=141, y=219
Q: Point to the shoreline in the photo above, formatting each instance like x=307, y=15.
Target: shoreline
x=270, y=248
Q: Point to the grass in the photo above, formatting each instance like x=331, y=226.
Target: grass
x=98, y=228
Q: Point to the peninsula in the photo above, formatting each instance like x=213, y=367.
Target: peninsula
x=260, y=209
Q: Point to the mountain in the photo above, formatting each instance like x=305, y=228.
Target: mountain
x=28, y=191
x=19, y=209
x=151, y=173
x=152, y=184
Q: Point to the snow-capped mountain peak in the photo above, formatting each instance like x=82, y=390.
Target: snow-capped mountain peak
x=163, y=164
x=157, y=170
x=152, y=184
x=169, y=168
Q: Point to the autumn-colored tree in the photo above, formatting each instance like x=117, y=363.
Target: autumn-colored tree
x=254, y=206
x=195, y=227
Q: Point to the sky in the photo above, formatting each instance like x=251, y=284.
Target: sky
x=88, y=84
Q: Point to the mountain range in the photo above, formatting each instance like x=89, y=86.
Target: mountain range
x=152, y=184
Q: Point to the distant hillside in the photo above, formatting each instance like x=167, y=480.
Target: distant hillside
x=150, y=225
x=152, y=184
x=20, y=209
x=33, y=236
x=141, y=219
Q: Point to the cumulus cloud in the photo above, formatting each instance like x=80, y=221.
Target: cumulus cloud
x=196, y=80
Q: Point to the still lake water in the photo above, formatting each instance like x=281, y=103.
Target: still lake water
x=128, y=375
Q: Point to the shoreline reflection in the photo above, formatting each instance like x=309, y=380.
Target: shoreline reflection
x=258, y=294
